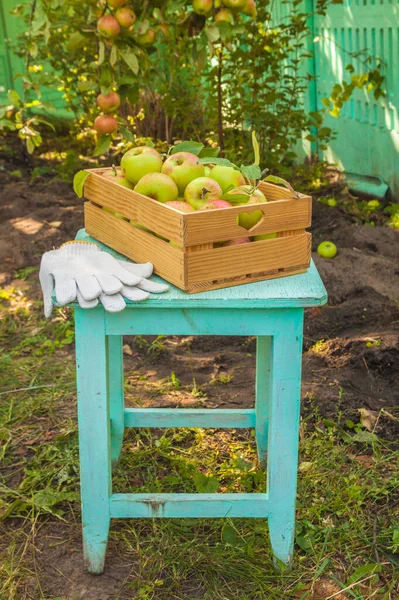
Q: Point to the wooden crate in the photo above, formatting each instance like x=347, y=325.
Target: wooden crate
x=194, y=262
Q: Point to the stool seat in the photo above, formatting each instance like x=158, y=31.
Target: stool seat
x=272, y=311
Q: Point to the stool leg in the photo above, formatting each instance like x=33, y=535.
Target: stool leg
x=263, y=370
x=94, y=434
x=283, y=437
x=115, y=391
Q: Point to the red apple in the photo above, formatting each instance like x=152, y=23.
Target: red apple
x=212, y=204
x=109, y=102
x=126, y=17
x=181, y=206
x=201, y=190
x=183, y=167
x=105, y=124
x=237, y=242
x=108, y=26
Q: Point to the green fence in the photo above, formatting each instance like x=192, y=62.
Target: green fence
x=367, y=141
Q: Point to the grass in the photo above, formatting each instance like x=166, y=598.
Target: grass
x=347, y=534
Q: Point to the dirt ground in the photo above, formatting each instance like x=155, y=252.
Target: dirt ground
x=351, y=350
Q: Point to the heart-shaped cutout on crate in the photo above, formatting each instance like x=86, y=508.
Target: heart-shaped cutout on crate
x=250, y=221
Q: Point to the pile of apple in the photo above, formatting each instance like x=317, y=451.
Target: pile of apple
x=184, y=183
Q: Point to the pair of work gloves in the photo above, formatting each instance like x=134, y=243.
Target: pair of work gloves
x=80, y=272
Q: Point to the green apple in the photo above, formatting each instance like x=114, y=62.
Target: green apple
x=249, y=220
x=212, y=204
x=249, y=8
x=183, y=167
x=200, y=191
x=226, y=177
x=235, y=4
x=204, y=7
x=111, y=212
x=137, y=162
x=117, y=177
x=264, y=236
x=207, y=170
x=157, y=186
x=224, y=15
x=373, y=204
x=327, y=250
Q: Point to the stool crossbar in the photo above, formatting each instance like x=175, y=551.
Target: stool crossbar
x=273, y=312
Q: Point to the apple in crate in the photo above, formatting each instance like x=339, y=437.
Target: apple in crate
x=255, y=196
x=179, y=205
x=200, y=191
x=157, y=186
x=226, y=177
x=140, y=161
x=237, y=242
x=212, y=204
x=183, y=167
x=117, y=177
x=264, y=236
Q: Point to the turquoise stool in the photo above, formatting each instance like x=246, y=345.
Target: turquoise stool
x=270, y=310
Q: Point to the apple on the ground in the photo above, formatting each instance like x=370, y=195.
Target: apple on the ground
x=200, y=191
x=183, y=167
x=327, y=250
x=140, y=161
x=226, y=177
x=157, y=186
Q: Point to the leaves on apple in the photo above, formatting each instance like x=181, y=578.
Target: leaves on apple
x=251, y=172
x=189, y=146
x=103, y=144
x=235, y=198
x=78, y=182
x=280, y=181
x=215, y=160
x=209, y=152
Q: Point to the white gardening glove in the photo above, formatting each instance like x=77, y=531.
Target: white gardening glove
x=81, y=271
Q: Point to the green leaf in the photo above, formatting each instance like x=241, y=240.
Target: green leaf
x=205, y=484
x=279, y=181
x=30, y=146
x=256, y=148
x=362, y=571
x=365, y=437
x=210, y=160
x=76, y=41
x=251, y=172
x=212, y=33
x=229, y=534
x=127, y=134
x=105, y=78
x=14, y=98
x=78, y=182
x=193, y=147
x=101, y=52
x=113, y=58
x=209, y=152
x=103, y=144
x=7, y=124
x=130, y=59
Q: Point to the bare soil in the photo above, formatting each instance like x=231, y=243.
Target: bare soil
x=350, y=361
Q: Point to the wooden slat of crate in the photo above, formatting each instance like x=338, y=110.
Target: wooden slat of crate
x=217, y=226
x=136, y=244
x=147, y=212
x=246, y=259
x=277, y=192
